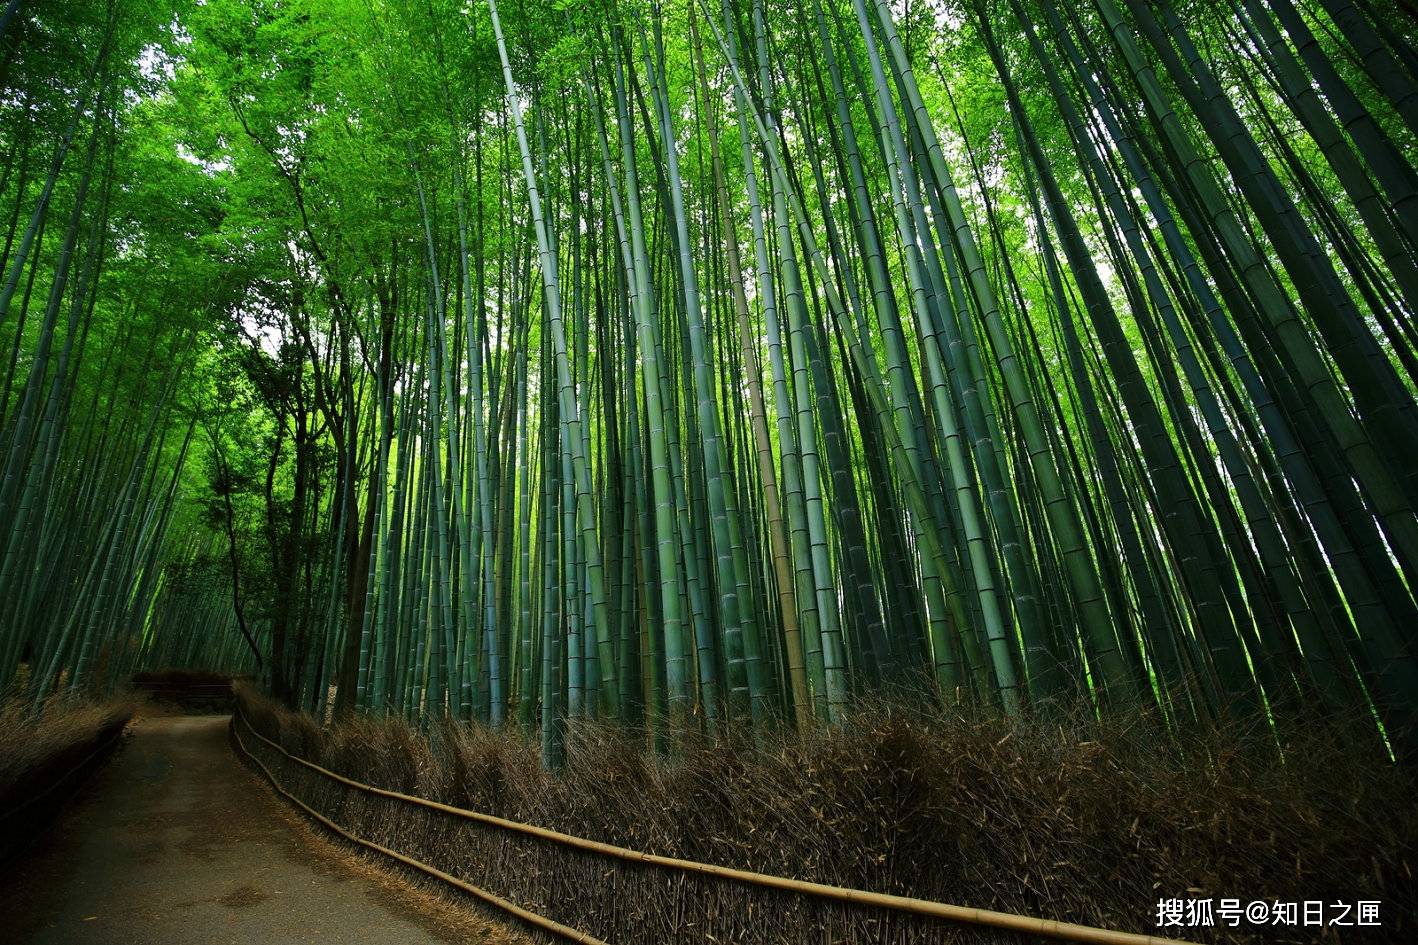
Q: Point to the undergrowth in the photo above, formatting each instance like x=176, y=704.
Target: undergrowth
x=1058, y=816
x=32, y=740
x=46, y=755
x=173, y=676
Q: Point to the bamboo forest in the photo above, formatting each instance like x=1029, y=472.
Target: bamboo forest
x=671, y=374
x=715, y=365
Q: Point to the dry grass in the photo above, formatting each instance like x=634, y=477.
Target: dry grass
x=175, y=677
x=46, y=755
x=31, y=742
x=1068, y=819
x=194, y=690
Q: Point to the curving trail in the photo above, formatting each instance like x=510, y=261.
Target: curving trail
x=175, y=843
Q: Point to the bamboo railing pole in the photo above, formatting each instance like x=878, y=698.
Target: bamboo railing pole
x=1067, y=931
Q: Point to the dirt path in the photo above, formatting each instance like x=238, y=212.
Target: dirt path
x=177, y=844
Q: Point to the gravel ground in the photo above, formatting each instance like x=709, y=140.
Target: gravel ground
x=176, y=843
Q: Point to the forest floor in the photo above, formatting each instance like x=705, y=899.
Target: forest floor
x=175, y=843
